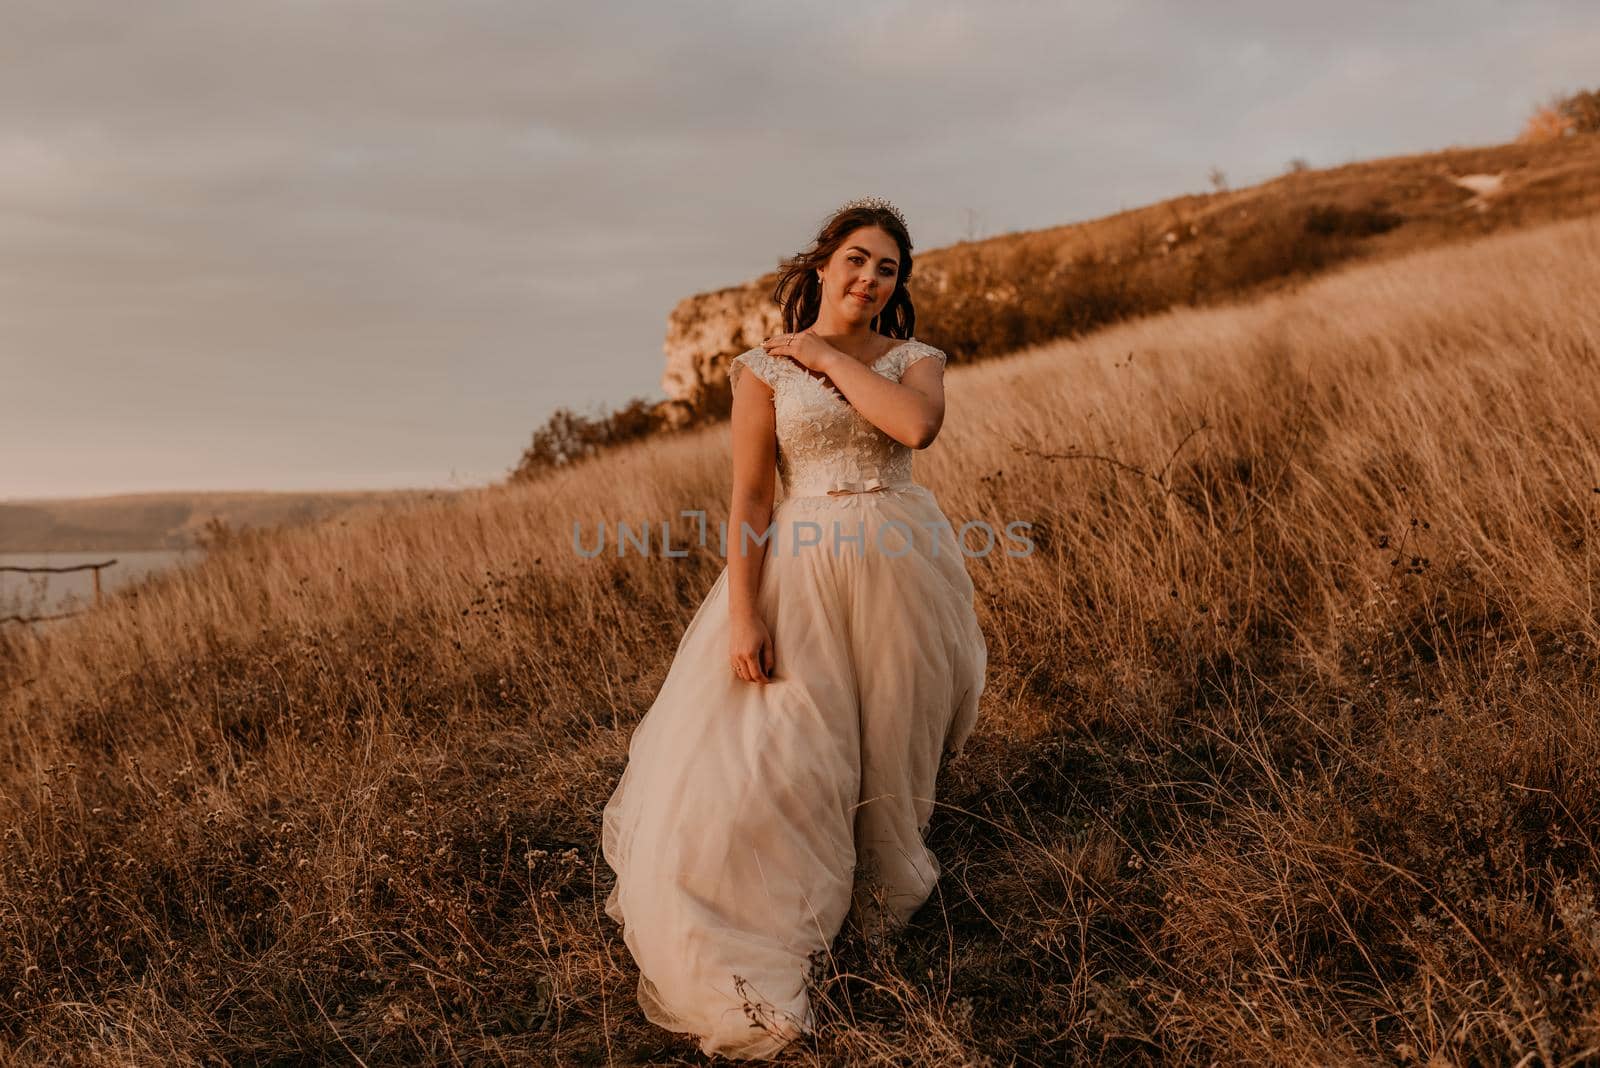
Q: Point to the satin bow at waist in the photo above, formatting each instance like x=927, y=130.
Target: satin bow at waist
x=839, y=487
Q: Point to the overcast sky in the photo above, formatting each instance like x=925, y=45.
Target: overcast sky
x=302, y=245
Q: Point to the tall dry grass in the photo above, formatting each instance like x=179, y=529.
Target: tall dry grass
x=1289, y=752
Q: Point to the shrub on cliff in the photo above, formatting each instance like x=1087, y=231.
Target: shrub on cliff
x=1564, y=116
x=568, y=436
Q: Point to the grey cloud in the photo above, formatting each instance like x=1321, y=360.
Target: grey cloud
x=355, y=243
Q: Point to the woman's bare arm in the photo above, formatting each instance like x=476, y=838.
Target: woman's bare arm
x=755, y=458
x=911, y=411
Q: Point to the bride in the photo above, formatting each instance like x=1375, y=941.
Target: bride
x=783, y=779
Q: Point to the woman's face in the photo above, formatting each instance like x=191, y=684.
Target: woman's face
x=860, y=276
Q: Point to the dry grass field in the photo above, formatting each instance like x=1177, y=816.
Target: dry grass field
x=1289, y=753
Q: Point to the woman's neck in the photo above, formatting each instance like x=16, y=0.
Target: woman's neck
x=859, y=341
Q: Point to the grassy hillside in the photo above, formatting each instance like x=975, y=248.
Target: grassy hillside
x=1288, y=753
x=991, y=297
x=166, y=520
x=983, y=299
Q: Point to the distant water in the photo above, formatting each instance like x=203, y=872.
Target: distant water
x=47, y=594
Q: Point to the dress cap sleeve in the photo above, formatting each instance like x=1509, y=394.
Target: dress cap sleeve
x=917, y=351
x=758, y=362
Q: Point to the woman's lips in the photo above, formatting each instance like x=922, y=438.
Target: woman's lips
x=862, y=297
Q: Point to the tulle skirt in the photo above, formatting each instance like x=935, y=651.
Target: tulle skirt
x=749, y=819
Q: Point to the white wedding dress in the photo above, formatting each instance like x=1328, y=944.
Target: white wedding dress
x=750, y=818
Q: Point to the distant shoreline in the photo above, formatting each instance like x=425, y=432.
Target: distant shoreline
x=161, y=520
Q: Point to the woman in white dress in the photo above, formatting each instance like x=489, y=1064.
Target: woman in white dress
x=784, y=776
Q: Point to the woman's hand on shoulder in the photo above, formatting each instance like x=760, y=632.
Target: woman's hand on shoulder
x=805, y=348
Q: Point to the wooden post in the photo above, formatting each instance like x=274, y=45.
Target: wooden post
x=56, y=571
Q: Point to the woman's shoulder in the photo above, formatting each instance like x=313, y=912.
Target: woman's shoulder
x=911, y=351
x=756, y=360
x=921, y=348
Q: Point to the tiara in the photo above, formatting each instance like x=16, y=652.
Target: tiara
x=878, y=203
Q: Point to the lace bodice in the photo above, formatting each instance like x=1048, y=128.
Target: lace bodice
x=824, y=445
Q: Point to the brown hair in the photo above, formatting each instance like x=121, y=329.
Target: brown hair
x=799, y=292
